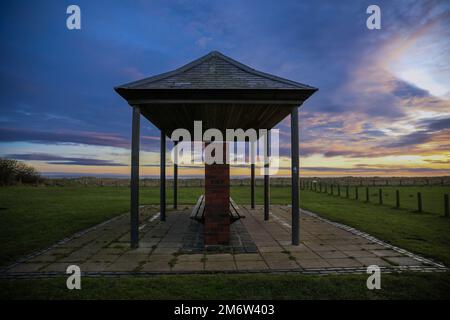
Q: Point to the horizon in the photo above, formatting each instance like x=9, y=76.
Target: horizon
x=53, y=175
x=382, y=109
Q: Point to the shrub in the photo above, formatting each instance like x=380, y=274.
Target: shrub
x=13, y=171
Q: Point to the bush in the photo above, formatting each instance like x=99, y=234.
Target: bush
x=13, y=172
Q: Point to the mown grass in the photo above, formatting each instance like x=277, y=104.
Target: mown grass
x=220, y=286
x=424, y=233
x=35, y=217
x=432, y=197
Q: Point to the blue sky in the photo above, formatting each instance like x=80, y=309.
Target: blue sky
x=383, y=105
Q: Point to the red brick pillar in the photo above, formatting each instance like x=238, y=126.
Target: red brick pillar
x=217, y=203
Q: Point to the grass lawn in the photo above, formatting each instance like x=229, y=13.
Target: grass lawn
x=424, y=233
x=33, y=218
x=257, y=286
x=432, y=197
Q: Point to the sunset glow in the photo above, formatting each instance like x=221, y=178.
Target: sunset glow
x=383, y=108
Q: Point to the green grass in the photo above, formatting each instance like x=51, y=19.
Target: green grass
x=257, y=286
x=35, y=217
x=424, y=233
x=432, y=197
x=32, y=218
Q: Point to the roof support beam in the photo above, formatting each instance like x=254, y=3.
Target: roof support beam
x=295, y=173
x=175, y=177
x=134, y=201
x=252, y=185
x=162, y=178
x=266, y=176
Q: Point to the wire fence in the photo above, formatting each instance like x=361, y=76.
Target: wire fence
x=414, y=198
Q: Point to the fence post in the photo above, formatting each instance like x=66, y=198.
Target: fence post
x=356, y=193
x=332, y=193
x=326, y=188
x=367, y=194
x=339, y=190
x=446, y=207
x=346, y=194
x=380, y=195
x=419, y=202
x=397, y=199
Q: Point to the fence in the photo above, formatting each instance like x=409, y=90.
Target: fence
x=274, y=181
x=383, y=196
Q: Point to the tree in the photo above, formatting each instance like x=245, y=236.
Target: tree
x=13, y=171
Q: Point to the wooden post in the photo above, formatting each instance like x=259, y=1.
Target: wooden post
x=339, y=190
x=266, y=176
x=332, y=193
x=367, y=194
x=252, y=173
x=380, y=195
x=419, y=202
x=175, y=177
x=134, y=184
x=356, y=193
x=294, y=174
x=446, y=206
x=162, y=177
x=346, y=189
x=252, y=185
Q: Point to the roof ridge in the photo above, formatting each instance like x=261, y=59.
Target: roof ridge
x=206, y=57
x=249, y=69
x=164, y=75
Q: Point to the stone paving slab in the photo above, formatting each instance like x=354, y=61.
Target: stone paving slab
x=326, y=247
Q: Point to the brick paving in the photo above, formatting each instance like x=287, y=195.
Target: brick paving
x=326, y=247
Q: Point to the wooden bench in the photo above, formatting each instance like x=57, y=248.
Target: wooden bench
x=198, y=213
x=235, y=212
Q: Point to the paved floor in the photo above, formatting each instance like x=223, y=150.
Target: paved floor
x=325, y=247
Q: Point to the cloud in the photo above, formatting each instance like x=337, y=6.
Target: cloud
x=434, y=125
x=149, y=143
x=60, y=160
x=405, y=90
x=427, y=130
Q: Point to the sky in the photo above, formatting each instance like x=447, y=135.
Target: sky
x=382, y=109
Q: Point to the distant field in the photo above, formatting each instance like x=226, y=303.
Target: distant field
x=35, y=217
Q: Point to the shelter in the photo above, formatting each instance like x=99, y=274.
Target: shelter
x=223, y=94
